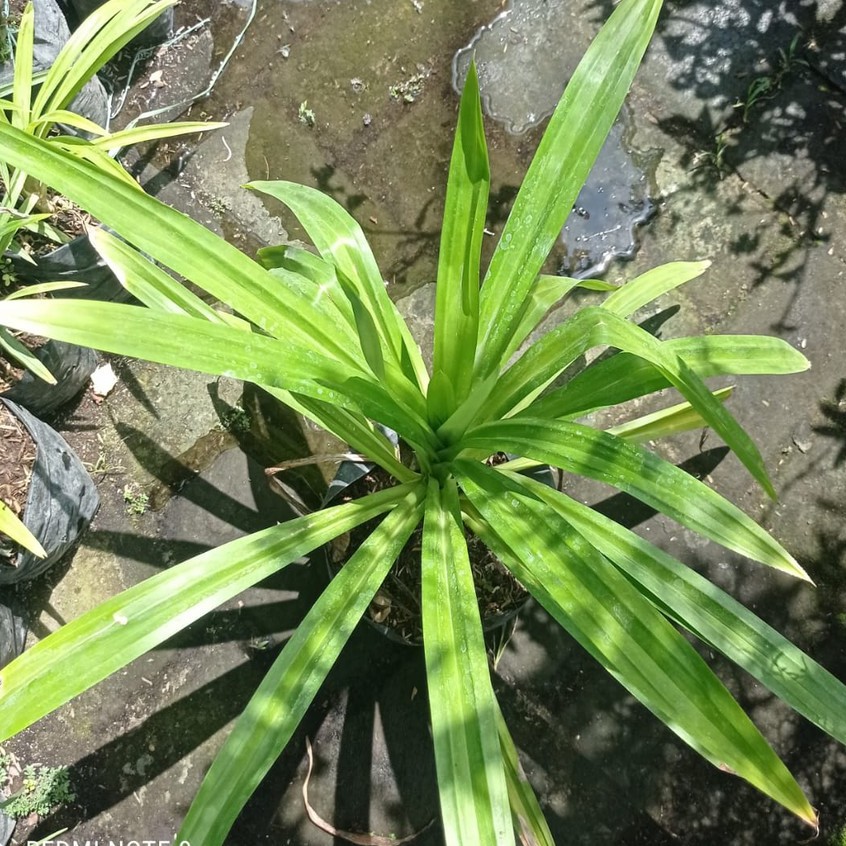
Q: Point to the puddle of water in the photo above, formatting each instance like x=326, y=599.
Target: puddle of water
x=613, y=203
x=524, y=57
x=380, y=79
x=520, y=55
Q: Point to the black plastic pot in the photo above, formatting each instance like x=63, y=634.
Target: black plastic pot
x=12, y=635
x=12, y=641
x=350, y=472
x=60, y=503
x=71, y=366
x=7, y=829
x=51, y=33
x=76, y=261
x=158, y=31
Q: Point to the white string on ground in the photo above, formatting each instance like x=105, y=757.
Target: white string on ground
x=145, y=52
x=214, y=77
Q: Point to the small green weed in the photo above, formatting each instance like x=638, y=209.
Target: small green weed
x=8, y=277
x=43, y=789
x=219, y=206
x=716, y=157
x=839, y=837
x=765, y=87
x=137, y=502
x=5, y=40
x=235, y=419
x=306, y=115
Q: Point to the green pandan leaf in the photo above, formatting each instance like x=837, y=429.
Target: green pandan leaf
x=117, y=631
x=471, y=778
x=457, y=292
x=622, y=630
x=280, y=702
x=630, y=468
x=573, y=139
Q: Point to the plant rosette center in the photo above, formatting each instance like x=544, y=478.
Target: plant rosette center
x=396, y=607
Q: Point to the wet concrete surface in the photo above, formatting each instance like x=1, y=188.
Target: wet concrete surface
x=762, y=197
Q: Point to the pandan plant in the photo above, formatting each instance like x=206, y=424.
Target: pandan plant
x=21, y=355
x=39, y=103
x=319, y=332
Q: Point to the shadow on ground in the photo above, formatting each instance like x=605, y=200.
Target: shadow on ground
x=605, y=769
x=758, y=91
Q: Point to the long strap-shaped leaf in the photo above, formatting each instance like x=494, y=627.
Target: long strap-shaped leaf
x=650, y=285
x=471, y=780
x=117, y=631
x=313, y=270
x=630, y=468
x=352, y=429
x=179, y=243
x=595, y=326
x=179, y=340
x=548, y=292
x=331, y=291
x=668, y=421
x=22, y=79
x=280, y=702
x=12, y=526
x=625, y=376
x=96, y=40
x=607, y=615
x=139, y=134
x=221, y=350
x=573, y=139
x=22, y=96
x=382, y=335
x=526, y=812
x=68, y=118
x=339, y=238
x=147, y=282
x=14, y=349
x=713, y=616
x=457, y=291
x=157, y=290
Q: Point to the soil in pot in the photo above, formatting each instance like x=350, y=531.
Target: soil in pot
x=74, y=261
x=17, y=457
x=395, y=609
x=60, y=498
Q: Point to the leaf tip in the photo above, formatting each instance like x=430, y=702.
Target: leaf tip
x=797, y=570
x=810, y=816
x=471, y=81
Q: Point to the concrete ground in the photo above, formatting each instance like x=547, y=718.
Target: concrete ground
x=740, y=108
